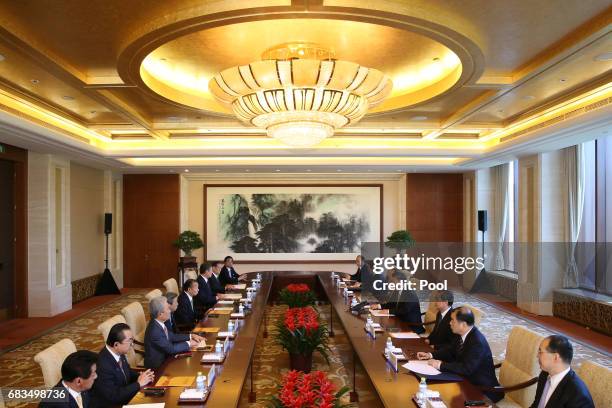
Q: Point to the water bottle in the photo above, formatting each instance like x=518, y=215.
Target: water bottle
x=201, y=382
x=422, y=394
x=369, y=319
x=354, y=302
x=389, y=344
x=258, y=276
x=230, y=326
x=218, y=347
x=240, y=308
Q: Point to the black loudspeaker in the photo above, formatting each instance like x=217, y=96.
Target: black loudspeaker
x=108, y=223
x=482, y=220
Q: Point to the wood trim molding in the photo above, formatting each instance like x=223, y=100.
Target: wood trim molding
x=204, y=231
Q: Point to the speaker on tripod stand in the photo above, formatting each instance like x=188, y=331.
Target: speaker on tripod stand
x=482, y=284
x=107, y=285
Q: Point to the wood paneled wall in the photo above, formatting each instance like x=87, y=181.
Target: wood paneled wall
x=151, y=214
x=434, y=207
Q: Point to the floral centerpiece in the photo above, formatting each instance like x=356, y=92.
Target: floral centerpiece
x=297, y=295
x=314, y=390
x=301, y=334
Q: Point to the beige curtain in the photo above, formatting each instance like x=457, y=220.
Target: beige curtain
x=575, y=162
x=501, y=174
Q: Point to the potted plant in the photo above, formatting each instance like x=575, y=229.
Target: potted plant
x=188, y=241
x=301, y=334
x=297, y=295
x=400, y=240
x=313, y=390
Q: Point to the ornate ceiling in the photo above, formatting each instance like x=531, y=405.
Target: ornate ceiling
x=126, y=82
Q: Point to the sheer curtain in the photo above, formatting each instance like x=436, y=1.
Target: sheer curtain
x=575, y=162
x=501, y=211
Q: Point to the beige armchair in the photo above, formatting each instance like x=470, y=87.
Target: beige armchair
x=153, y=294
x=134, y=357
x=478, y=314
x=598, y=380
x=519, y=372
x=51, y=360
x=190, y=274
x=429, y=318
x=135, y=318
x=171, y=286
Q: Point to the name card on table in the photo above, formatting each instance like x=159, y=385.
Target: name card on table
x=370, y=330
x=393, y=361
x=212, y=374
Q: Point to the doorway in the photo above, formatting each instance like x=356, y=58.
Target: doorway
x=7, y=240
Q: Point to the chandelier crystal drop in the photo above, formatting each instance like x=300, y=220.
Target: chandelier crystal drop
x=300, y=93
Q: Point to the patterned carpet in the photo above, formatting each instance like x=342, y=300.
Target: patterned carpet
x=17, y=367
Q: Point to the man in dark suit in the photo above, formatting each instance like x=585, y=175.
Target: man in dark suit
x=404, y=304
x=172, y=299
x=363, y=271
x=558, y=385
x=205, y=297
x=469, y=355
x=117, y=383
x=441, y=333
x=78, y=376
x=161, y=343
x=186, y=315
x=228, y=275
x=215, y=283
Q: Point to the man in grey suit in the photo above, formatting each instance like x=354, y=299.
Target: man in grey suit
x=160, y=342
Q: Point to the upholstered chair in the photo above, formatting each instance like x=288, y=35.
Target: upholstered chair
x=134, y=357
x=153, y=294
x=171, y=286
x=135, y=318
x=51, y=360
x=429, y=318
x=190, y=274
x=518, y=373
x=598, y=380
x=478, y=314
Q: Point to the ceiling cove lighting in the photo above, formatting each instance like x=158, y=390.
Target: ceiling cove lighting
x=300, y=93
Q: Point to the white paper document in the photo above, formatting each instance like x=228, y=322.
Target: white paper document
x=381, y=313
x=225, y=302
x=404, y=335
x=192, y=393
x=420, y=367
x=240, y=286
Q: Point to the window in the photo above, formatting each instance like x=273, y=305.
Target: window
x=596, y=225
x=512, y=221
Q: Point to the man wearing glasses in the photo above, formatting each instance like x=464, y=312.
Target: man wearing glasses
x=117, y=383
x=558, y=385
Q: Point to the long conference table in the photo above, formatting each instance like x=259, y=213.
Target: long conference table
x=393, y=389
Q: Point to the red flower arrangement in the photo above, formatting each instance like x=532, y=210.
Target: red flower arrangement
x=314, y=390
x=297, y=295
x=301, y=334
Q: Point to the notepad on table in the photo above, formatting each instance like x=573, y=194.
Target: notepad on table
x=224, y=334
x=404, y=335
x=421, y=367
x=193, y=394
x=240, y=286
x=213, y=358
x=176, y=381
x=221, y=311
x=225, y=302
x=381, y=313
x=206, y=330
x=237, y=315
x=230, y=296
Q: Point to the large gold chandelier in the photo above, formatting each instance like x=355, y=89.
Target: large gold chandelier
x=300, y=93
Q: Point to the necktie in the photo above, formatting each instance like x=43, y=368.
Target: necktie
x=460, y=348
x=121, y=368
x=79, y=401
x=544, y=396
x=165, y=330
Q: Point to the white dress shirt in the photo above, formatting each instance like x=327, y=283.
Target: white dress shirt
x=117, y=357
x=75, y=394
x=554, y=382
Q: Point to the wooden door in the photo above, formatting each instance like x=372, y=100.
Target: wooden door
x=151, y=213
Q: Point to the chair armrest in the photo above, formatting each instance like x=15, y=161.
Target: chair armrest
x=515, y=387
x=138, y=343
x=142, y=353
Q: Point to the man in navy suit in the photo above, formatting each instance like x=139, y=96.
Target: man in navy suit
x=161, y=343
x=206, y=298
x=117, y=383
x=404, y=304
x=441, y=334
x=215, y=283
x=172, y=299
x=558, y=385
x=469, y=355
x=186, y=314
x=228, y=275
x=78, y=376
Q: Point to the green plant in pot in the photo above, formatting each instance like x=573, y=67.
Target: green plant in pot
x=400, y=240
x=188, y=241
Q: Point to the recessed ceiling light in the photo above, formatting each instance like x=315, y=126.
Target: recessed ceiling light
x=369, y=170
x=339, y=170
x=308, y=170
x=173, y=118
x=562, y=80
x=528, y=97
x=419, y=117
x=217, y=170
x=398, y=170
x=186, y=170
x=2, y=58
x=34, y=81
x=68, y=98
x=277, y=170
x=247, y=170
x=606, y=56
